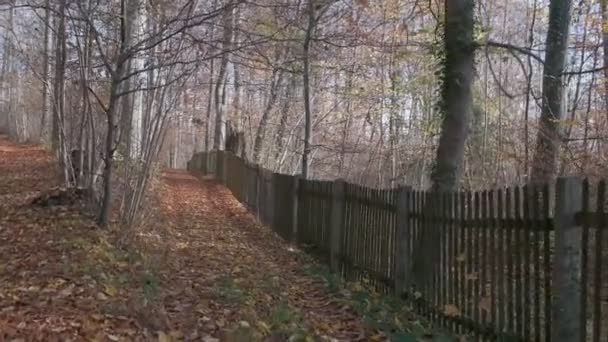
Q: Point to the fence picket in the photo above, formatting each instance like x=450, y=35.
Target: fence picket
x=501, y=299
x=597, y=276
x=525, y=243
x=519, y=291
x=535, y=213
x=493, y=254
x=584, y=263
x=547, y=263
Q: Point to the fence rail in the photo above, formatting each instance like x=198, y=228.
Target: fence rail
x=521, y=263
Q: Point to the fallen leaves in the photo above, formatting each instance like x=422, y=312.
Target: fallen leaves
x=110, y=290
x=451, y=310
x=200, y=269
x=172, y=336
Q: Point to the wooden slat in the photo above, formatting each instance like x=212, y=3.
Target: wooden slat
x=453, y=254
x=469, y=259
x=584, y=262
x=536, y=256
x=511, y=305
x=419, y=227
x=375, y=236
x=393, y=255
x=356, y=251
x=433, y=230
x=597, y=274
x=484, y=264
x=444, y=276
x=476, y=260
x=547, y=265
x=424, y=228
x=493, y=254
x=519, y=291
x=462, y=257
x=368, y=235
x=501, y=299
x=364, y=235
x=527, y=289
x=384, y=241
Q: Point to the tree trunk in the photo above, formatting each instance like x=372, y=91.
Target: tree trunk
x=59, y=143
x=106, y=204
x=236, y=103
x=456, y=106
x=8, y=78
x=209, y=107
x=306, y=90
x=137, y=117
x=220, y=89
x=132, y=104
x=280, y=138
x=275, y=82
x=549, y=138
x=455, y=94
x=604, y=4
x=46, y=119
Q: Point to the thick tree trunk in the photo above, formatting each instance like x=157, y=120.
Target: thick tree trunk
x=456, y=94
x=456, y=109
x=132, y=104
x=549, y=138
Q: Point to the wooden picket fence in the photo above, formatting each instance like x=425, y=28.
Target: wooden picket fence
x=515, y=264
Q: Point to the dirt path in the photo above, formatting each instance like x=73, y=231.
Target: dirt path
x=199, y=269
x=240, y=271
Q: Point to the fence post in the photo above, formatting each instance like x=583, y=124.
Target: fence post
x=566, y=307
x=206, y=162
x=225, y=158
x=219, y=166
x=402, y=252
x=295, y=199
x=337, y=223
x=269, y=175
x=258, y=180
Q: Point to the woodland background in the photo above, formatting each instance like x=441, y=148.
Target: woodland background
x=357, y=89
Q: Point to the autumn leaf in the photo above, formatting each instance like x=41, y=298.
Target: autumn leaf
x=110, y=290
x=451, y=310
x=162, y=337
x=113, y=338
x=263, y=328
x=67, y=291
x=485, y=304
x=363, y=3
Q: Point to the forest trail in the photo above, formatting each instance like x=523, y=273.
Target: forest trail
x=201, y=269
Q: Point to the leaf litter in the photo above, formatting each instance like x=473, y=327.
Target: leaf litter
x=199, y=268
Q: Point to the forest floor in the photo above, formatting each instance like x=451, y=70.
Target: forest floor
x=199, y=268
